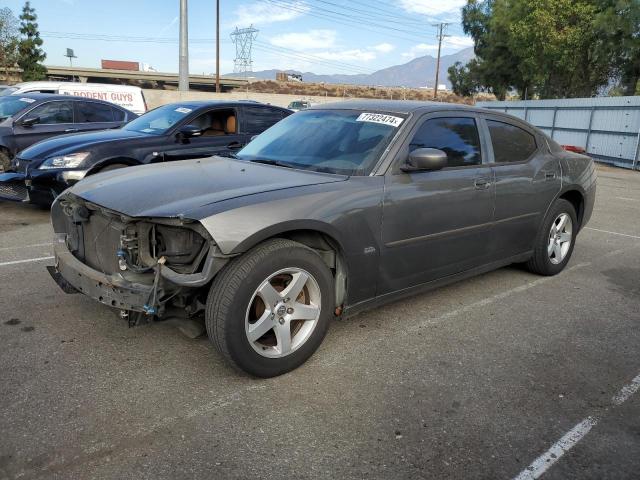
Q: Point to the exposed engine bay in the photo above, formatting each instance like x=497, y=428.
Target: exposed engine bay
x=153, y=266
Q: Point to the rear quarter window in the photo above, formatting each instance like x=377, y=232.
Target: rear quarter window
x=510, y=143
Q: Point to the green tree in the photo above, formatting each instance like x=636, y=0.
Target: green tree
x=31, y=55
x=8, y=40
x=554, y=48
x=464, y=78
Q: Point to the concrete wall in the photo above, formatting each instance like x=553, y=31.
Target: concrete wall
x=156, y=98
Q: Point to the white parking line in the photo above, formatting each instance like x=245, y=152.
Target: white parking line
x=612, y=233
x=573, y=436
x=557, y=450
x=27, y=246
x=628, y=199
x=28, y=260
x=628, y=390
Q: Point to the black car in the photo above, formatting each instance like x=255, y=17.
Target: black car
x=176, y=131
x=29, y=118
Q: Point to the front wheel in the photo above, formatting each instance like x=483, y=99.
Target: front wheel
x=268, y=310
x=556, y=239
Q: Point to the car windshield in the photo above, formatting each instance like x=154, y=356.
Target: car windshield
x=344, y=142
x=159, y=120
x=11, y=105
x=7, y=91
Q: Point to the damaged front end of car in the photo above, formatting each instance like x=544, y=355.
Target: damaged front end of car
x=145, y=267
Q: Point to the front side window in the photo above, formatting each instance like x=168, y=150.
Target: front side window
x=345, y=142
x=91, y=112
x=510, y=143
x=159, y=120
x=457, y=137
x=53, y=112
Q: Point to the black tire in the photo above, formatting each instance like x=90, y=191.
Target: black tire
x=5, y=161
x=541, y=262
x=233, y=289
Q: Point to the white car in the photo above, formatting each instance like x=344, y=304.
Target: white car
x=126, y=96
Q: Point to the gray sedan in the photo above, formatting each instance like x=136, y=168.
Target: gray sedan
x=334, y=210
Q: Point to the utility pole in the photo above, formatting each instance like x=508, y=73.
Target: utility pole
x=183, y=67
x=217, y=46
x=442, y=27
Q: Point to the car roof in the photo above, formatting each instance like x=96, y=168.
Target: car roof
x=220, y=103
x=395, y=106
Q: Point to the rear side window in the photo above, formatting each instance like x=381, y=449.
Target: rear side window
x=118, y=115
x=258, y=119
x=510, y=143
x=53, y=112
x=90, y=112
x=457, y=137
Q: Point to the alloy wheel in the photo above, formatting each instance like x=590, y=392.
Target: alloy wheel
x=283, y=312
x=560, y=238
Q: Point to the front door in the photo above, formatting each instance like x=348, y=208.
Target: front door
x=54, y=118
x=220, y=134
x=437, y=223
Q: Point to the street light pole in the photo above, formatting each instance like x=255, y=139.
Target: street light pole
x=183, y=68
x=217, y=46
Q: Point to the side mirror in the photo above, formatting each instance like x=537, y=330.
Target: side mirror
x=30, y=121
x=189, y=131
x=425, y=159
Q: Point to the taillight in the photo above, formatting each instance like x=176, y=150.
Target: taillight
x=573, y=148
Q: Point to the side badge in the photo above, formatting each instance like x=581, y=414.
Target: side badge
x=369, y=250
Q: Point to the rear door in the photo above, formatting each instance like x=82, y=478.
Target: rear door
x=55, y=117
x=437, y=223
x=527, y=180
x=95, y=116
x=257, y=118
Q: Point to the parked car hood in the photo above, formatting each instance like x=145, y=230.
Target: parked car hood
x=172, y=189
x=76, y=142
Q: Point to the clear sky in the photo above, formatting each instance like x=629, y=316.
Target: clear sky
x=322, y=36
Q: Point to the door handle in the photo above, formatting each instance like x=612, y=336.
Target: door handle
x=234, y=145
x=482, y=183
x=548, y=175
x=70, y=130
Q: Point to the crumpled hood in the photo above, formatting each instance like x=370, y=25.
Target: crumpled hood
x=172, y=189
x=77, y=142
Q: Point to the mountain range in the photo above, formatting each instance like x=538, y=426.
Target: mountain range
x=419, y=72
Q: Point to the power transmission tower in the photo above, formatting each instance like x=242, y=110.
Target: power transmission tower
x=243, y=39
x=442, y=28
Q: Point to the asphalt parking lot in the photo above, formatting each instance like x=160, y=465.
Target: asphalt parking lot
x=475, y=380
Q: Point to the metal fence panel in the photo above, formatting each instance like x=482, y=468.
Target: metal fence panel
x=608, y=128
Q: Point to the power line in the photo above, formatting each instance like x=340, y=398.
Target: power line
x=362, y=25
x=313, y=60
x=311, y=56
x=121, y=38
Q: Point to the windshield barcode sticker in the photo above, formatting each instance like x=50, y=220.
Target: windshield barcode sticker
x=27, y=100
x=183, y=110
x=380, y=118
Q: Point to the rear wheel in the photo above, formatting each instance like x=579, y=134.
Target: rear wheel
x=268, y=310
x=555, y=241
